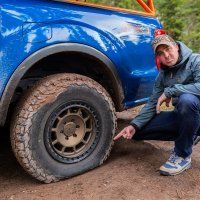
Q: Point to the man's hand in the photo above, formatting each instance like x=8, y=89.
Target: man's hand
x=127, y=133
x=162, y=99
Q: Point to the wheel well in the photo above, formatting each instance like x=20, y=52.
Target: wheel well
x=71, y=62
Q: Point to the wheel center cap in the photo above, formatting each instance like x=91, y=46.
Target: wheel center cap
x=69, y=129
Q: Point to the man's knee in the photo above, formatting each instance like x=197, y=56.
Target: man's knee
x=188, y=103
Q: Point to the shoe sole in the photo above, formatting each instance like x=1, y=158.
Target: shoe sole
x=176, y=173
x=197, y=141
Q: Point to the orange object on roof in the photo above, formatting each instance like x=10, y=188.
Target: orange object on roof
x=148, y=6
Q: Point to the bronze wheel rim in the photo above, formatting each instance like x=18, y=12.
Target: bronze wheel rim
x=72, y=132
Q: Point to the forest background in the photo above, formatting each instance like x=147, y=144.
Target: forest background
x=180, y=18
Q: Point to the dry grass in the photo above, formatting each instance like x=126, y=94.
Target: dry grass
x=163, y=107
x=132, y=112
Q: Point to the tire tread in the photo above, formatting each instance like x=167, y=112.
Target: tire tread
x=46, y=90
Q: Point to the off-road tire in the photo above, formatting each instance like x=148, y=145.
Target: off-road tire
x=30, y=126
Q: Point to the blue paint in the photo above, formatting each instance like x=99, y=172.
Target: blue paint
x=29, y=25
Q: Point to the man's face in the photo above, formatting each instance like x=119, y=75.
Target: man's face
x=168, y=55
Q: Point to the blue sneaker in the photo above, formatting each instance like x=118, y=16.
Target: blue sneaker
x=175, y=165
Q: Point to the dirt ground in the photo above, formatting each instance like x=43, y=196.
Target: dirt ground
x=130, y=173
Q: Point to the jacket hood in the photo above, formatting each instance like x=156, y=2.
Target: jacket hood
x=184, y=54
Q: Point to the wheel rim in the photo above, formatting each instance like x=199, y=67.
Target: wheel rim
x=72, y=132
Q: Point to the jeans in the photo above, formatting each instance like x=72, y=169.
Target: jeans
x=179, y=125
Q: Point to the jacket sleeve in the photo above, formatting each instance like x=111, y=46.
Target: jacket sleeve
x=191, y=88
x=149, y=110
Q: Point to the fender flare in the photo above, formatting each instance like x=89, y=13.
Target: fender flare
x=50, y=50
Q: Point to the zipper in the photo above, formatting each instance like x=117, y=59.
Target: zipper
x=171, y=75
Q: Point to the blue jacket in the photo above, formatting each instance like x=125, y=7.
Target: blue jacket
x=183, y=77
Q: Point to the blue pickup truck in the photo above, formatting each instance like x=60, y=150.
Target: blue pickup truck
x=66, y=67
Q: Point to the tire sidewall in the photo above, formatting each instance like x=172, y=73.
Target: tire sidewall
x=106, y=123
